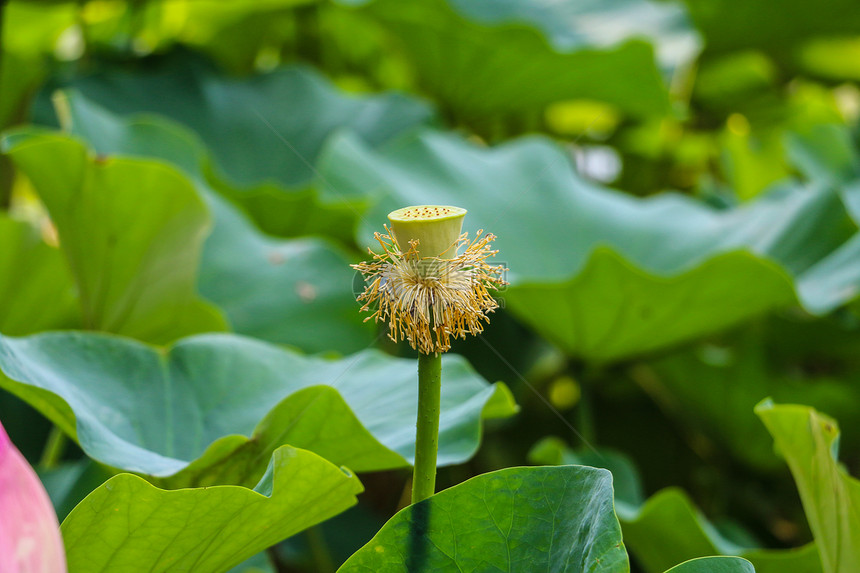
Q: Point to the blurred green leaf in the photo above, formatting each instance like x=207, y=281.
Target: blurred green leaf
x=834, y=58
x=730, y=381
x=18, y=77
x=269, y=128
x=723, y=82
x=752, y=161
x=667, y=527
x=264, y=133
x=625, y=478
x=297, y=292
x=612, y=309
x=35, y=285
x=234, y=33
x=552, y=234
x=603, y=275
x=517, y=519
x=69, y=483
x=834, y=280
x=824, y=152
x=809, y=441
x=128, y=525
x=131, y=232
x=570, y=26
x=212, y=408
x=486, y=61
x=30, y=36
x=774, y=26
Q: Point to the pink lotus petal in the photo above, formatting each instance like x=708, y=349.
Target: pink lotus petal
x=30, y=540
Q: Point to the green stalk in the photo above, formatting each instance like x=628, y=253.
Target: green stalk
x=5, y=164
x=54, y=449
x=2, y=20
x=427, y=435
x=585, y=412
x=589, y=376
x=319, y=550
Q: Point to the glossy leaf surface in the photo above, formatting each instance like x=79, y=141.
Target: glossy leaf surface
x=551, y=518
x=592, y=52
x=213, y=408
x=128, y=525
x=269, y=128
x=296, y=292
x=601, y=274
x=132, y=240
x=32, y=272
x=809, y=441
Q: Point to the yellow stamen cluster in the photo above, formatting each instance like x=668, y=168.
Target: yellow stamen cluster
x=428, y=301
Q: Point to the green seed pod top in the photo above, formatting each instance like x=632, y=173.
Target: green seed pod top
x=436, y=227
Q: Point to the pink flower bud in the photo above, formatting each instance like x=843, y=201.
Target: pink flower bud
x=30, y=540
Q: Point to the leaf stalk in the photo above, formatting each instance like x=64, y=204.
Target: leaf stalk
x=427, y=425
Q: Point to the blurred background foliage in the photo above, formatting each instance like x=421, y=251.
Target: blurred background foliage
x=675, y=187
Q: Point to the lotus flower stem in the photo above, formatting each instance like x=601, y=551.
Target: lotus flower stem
x=429, y=293
x=54, y=448
x=588, y=376
x=5, y=163
x=320, y=553
x=427, y=426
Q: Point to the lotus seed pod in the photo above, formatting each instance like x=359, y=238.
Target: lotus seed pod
x=430, y=283
x=436, y=228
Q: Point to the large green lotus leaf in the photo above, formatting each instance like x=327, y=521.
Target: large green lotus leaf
x=131, y=231
x=549, y=220
x=293, y=213
x=30, y=35
x=70, y=482
x=582, y=25
x=625, y=478
x=18, y=77
x=129, y=525
x=516, y=519
x=851, y=196
x=828, y=154
x=824, y=152
x=714, y=565
x=809, y=441
x=32, y=274
x=773, y=26
x=834, y=280
x=484, y=60
x=266, y=128
x=583, y=313
x=234, y=33
x=296, y=292
x=729, y=382
x=664, y=270
x=212, y=408
x=668, y=528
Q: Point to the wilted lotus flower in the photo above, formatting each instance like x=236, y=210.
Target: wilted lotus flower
x=30, y=540
x=428, y=293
